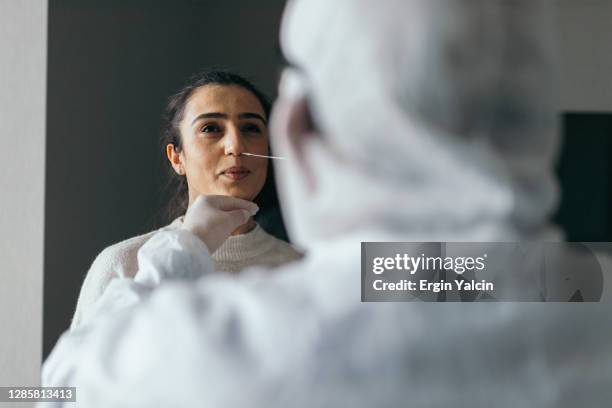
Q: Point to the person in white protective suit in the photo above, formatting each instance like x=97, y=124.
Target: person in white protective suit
x=407, y=120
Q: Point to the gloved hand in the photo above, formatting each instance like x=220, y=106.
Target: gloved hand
x=213, y=218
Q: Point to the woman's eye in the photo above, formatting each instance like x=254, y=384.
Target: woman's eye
x=251, y=129
x=210, y=129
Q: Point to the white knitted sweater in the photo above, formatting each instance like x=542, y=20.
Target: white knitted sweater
x=255, y=248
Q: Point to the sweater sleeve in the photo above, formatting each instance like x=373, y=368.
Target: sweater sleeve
x=97, y=279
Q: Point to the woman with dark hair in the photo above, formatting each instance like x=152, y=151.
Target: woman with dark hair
x=211, y=125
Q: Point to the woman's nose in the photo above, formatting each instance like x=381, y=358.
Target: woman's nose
x=233, y=142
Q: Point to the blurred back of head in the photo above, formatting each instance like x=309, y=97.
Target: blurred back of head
x=443, y=111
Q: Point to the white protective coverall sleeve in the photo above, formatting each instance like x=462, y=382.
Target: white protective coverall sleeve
x=116, y=327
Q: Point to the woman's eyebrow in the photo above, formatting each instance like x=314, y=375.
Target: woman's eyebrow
x=244, y=115
x=209, y=115
x=251, y=115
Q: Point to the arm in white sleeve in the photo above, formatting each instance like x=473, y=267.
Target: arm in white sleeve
x=111, y=346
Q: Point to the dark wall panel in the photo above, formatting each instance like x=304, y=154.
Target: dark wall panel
x=585, y=171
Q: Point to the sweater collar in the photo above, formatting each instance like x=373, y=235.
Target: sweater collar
x=239, y=247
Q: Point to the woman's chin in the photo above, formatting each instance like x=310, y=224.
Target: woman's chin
x=240, y=193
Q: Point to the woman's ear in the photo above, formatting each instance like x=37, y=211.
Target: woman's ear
x=175, y=158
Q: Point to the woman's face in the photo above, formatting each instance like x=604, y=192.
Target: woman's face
x=220, y=122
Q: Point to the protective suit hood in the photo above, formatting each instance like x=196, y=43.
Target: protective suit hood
x=435, y=123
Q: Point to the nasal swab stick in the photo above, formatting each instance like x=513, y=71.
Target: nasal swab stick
x=261, y=155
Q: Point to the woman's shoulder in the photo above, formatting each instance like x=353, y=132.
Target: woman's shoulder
x=120, y=258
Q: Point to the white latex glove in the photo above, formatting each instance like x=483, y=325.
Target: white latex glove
x=213, y=218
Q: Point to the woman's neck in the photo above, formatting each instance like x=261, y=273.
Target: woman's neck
x=244, y=228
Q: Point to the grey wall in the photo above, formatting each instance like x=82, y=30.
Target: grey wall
x=112, y=64
x=23, y=43
x=586, y=54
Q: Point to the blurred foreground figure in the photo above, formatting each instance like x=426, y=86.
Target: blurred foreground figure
x=407, y=120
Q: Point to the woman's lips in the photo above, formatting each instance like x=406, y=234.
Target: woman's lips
x=236, y=173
